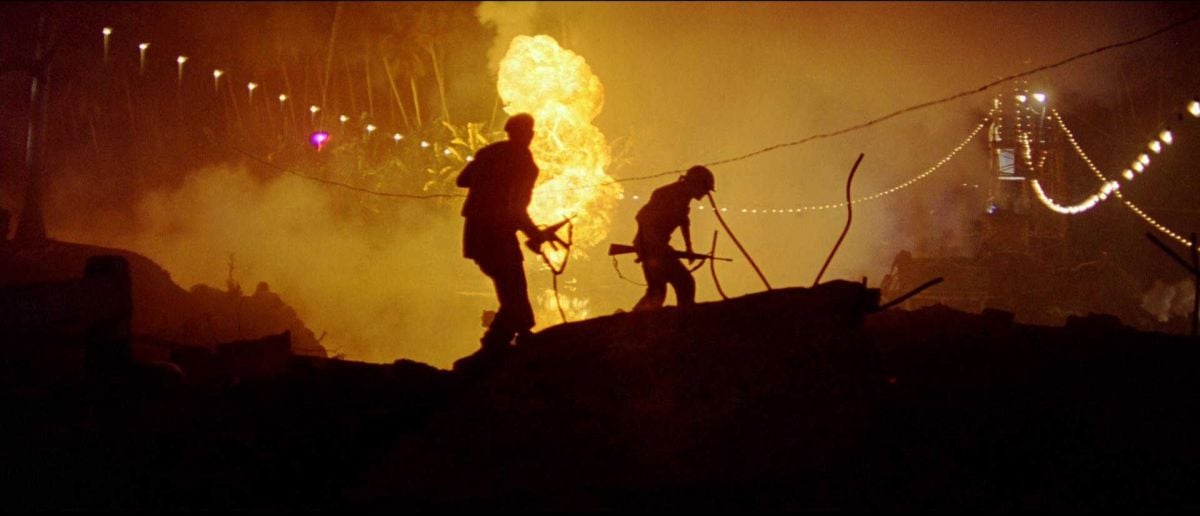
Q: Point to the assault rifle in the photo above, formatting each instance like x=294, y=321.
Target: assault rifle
x=549, y=235
x=616, y=249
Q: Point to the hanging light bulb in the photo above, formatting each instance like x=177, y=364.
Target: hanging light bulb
x=1193, y=107
x=1166, y=137
x=142, y=57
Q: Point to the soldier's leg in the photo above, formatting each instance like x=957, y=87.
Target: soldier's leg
x=656, y=285
x=515, y=314
x=496, y=335
x=514, y=297
x=683, y=283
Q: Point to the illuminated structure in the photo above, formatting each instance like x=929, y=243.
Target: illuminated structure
x=1023, y=146
x=1020, y=260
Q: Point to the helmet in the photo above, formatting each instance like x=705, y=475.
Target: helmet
x=701, y=175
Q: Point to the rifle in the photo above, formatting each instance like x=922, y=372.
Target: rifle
x=616, y=249
x=549, y=234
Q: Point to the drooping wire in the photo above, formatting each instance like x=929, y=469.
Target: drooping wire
x=617, y=267
x=212, y=139
x=712, y=267
x=717, y=212
x=1167, y=28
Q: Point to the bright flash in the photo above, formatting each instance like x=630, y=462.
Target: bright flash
x=251, y=86
x=107, y=31
x=1040, y=97
x=181, y=59
x=143, y=46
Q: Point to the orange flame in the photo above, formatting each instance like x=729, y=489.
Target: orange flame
x=556, y=86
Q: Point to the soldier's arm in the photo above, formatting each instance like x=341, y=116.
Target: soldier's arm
x=464, y=177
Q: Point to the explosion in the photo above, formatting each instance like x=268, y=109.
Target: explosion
x=556, y=86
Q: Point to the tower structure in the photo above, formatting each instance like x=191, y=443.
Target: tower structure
x=1023, y=144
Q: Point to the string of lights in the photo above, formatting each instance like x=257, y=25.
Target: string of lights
x=911, y=181
x=1138, y=166
x=319, y=136
x=398, y=136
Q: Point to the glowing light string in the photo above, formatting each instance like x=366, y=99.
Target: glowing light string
x=911, y=181
x=1167, y=28
x=1087, y=204
x=1163, y=136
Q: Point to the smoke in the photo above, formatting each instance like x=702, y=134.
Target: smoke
x=378, y=293
x=1167, y=300
x=509, y=19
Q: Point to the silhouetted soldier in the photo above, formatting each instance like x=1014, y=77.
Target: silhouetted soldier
x=667, y=210
x=500, y=184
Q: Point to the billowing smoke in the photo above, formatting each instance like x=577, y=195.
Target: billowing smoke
x=1168, y=300
x=377, y=293
x=509, y=20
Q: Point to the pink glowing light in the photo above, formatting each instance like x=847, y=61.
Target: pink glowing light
x=318, y=139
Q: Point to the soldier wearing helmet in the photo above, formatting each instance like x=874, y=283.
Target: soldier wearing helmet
x=668, y=209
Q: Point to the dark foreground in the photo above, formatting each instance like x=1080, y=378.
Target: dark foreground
x=790, y=400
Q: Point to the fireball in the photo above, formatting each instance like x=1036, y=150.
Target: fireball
x=557, y=87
